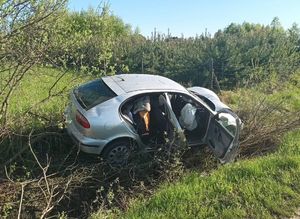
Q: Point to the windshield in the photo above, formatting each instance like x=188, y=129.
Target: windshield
x=203, y=100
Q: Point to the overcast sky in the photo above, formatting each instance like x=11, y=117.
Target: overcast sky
x=191, y=17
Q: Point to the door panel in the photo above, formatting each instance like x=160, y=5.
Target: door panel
x=219, y=138
x=223, y=135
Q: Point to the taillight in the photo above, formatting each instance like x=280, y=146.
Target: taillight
x=82, y=120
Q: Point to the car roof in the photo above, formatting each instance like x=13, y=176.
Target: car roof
x=125, y=83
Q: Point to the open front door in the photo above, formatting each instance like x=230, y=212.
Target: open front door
x=223, y=135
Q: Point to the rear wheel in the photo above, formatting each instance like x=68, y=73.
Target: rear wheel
x=117, y=153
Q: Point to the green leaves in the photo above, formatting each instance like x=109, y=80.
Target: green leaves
x=85, y=40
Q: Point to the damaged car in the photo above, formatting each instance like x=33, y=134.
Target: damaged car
x=108, y=115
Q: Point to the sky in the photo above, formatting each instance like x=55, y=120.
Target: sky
x=191, y=17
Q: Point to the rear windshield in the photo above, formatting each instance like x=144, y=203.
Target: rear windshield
x=93, y=93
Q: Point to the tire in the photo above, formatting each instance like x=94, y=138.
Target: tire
x=117, y=152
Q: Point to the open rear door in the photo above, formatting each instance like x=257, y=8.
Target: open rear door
x=223, y=135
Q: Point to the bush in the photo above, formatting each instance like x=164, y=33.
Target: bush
x=268, y=111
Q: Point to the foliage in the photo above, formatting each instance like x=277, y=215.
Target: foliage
x=97, y=41
x=243, y=54
x=85, y=40
x=37, y=104
x=24, y=38
x=262, y=187
x=45, y=49
x=268, y=111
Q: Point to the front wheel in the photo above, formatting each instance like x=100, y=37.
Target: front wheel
x=117, y=153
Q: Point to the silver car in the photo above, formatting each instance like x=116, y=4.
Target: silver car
x=103, y=116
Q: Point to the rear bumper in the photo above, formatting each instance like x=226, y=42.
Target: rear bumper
x=91, y=149
x=86, y=144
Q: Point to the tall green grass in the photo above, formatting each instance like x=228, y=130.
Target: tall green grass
x=36, y=106
x=42, y=97
x=264, y=187
x=255, y=188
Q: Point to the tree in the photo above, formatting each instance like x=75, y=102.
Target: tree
x=24, y=38
x=85, y=40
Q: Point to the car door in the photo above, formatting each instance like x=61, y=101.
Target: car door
x=223, y=134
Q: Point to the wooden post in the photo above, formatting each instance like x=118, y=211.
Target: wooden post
x=212, y=73
x=143, y=62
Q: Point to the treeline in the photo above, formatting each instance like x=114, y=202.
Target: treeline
x=98, y=42
x=101, y=43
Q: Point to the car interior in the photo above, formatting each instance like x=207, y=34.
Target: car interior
x=201, y=116
x=151, y=123
x=150, y=117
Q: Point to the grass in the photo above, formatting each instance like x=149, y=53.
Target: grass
x=264, y=187
x=268, y=110
x=32, y=95
x=272, y=91
x=33, y=108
